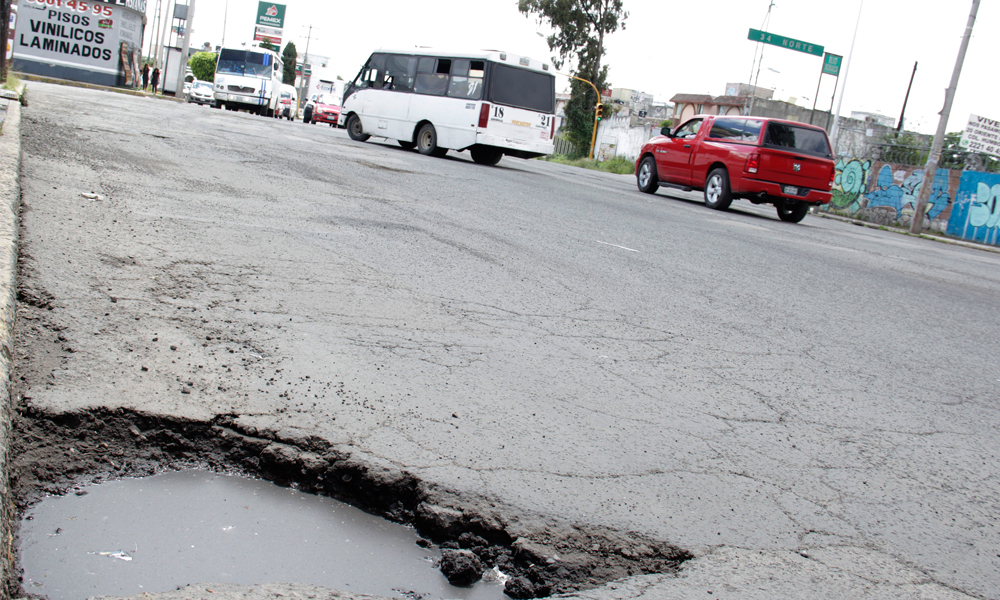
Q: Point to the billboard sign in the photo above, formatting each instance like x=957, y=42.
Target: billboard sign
x=981, y=135
x=69, y=36
x=267, y=34
x=271, y=15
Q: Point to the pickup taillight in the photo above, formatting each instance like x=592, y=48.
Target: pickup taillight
x=484, y=115
x=833, y=176
x=753, y=163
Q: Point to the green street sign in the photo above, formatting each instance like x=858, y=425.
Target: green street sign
x=785, y=42
x=270, y=14
x=831, y=64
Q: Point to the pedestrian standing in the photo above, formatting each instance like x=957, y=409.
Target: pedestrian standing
x=145, y=76
x=156, y=79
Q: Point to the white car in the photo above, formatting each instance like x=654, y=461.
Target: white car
x=201, y=93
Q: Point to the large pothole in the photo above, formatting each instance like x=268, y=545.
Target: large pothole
x=57, y=453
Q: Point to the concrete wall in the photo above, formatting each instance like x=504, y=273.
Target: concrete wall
x=615, y=137
x=964, y=204
x=777, y=109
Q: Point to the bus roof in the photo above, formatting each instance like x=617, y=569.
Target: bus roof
x=497, y=56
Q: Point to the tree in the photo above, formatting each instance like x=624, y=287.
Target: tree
x=203, y=65
x=290, y=55
x=267, y=45
x=580, y=27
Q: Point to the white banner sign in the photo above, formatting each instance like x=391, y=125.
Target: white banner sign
x=981, y=135
x=77, y=33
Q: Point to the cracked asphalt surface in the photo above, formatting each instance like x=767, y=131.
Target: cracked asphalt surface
x=811, y=409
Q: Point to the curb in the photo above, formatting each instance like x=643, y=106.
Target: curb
x=91, y=86
x=897, y=230
x=10, y=201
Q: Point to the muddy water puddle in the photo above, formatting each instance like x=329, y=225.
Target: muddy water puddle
x=159, y=533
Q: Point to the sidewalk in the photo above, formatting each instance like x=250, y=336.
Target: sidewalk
x=10, y=193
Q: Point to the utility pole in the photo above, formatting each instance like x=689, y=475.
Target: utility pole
x=305, y=87
x=185, y=44
x=917, y=225
x=899, y=126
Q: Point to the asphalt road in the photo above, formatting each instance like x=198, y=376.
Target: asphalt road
x=812, y=406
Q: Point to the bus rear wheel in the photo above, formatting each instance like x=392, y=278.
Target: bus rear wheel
x=427, y=139
x=484, y=155
x=354, y=129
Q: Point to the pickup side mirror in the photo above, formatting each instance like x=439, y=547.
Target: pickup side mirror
x=667, y=132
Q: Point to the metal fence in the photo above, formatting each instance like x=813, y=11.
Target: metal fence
x=855, y=143
x=564, y=147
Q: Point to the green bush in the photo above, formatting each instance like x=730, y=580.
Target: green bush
x=619, y=164
x=203, y=65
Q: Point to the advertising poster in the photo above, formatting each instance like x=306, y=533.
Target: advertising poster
x=73, y=33
x=981, y=135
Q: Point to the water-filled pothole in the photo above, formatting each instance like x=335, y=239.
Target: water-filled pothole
x=157, y=533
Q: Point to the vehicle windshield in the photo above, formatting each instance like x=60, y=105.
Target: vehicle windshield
x=523, y=88
x=246, y=63
x=801, y=139
x=202, y=85
x=326, y=99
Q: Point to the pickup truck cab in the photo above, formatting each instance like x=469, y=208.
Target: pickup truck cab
x=766, y=161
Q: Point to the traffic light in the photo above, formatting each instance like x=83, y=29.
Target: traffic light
x=600, y=111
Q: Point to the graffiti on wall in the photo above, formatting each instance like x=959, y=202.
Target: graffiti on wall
x=893, y=192
x=850, y=182
x=899, y=190
x=976, y=215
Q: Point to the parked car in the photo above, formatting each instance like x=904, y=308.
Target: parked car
x=322, y=108
x=189, y=79
x=766, y=161
x=287, y=102
x=201, y=93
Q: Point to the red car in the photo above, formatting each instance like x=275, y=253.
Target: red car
x=323, y=109
x=766, y=161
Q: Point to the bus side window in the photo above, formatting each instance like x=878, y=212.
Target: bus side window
x=399, y=73
x=466, y=79
x=432, y=78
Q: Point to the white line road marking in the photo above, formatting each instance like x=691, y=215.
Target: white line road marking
x=615, y=246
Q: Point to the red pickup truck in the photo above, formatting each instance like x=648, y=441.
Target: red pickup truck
x=767, y=161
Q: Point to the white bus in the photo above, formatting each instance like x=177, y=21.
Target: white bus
x=490, y=103
x=248, y=78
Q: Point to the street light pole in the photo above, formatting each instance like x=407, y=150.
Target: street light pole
x=835, y=130
x=949, y=96
x=593, y=136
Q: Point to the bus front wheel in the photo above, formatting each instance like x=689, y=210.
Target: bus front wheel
x=427, y=141
x=355, y=130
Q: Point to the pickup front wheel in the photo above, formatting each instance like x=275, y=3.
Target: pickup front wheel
x=717, y=192
x=646, y=177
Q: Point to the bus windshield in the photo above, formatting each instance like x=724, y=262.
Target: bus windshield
x=523, y=88
x=245, y=62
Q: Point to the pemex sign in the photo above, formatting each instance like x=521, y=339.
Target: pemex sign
x=270, y=14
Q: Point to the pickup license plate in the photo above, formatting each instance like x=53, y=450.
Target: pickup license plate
x=791, y=190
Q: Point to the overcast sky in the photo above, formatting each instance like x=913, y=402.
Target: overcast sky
x=668, y=48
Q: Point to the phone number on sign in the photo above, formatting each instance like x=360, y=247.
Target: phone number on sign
x=96, y=8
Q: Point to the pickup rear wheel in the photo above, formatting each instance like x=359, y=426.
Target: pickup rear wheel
x=792, y=213
x=646, y=176
x=718, y=195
